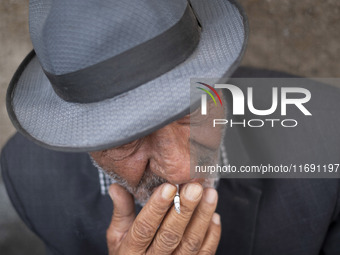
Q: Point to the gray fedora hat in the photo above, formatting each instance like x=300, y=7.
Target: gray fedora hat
x=104, y=73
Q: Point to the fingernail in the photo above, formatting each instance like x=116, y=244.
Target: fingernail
x=168, y=191
x=210, y=195
x=216, y=219
x=193, y=191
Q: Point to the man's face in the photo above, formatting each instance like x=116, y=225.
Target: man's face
x=164, y=155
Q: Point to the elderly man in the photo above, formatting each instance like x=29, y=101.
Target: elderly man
x=102, y=105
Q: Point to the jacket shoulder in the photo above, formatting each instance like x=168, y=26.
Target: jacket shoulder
x=57, y=195
x=24, y=159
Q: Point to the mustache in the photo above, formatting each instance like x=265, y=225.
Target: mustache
x=143, y=191
x=149, y=181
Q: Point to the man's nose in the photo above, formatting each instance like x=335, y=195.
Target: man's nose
x=170, y=153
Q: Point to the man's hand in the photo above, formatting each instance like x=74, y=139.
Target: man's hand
x=158, y=230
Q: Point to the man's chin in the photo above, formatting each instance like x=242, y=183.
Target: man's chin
x=143, y=197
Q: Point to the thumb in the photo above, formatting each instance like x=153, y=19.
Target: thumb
x=123, y=214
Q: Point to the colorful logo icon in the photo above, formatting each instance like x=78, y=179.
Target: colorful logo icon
x=204, y=97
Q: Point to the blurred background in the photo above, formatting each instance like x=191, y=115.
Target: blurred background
x=299, y=37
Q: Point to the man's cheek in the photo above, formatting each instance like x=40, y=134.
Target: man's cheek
x=175, y=169
x=208, y=137
x=129, y=170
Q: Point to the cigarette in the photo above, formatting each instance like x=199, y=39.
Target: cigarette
x=177, y=202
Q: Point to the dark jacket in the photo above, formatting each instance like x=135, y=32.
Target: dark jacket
x=58, y=195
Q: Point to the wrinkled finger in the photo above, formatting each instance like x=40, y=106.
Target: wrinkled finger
x=212, y=237
x=173, y=226
x=197, y=228
x=148, y=220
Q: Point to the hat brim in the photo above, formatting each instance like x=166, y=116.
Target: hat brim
x=38, y=113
